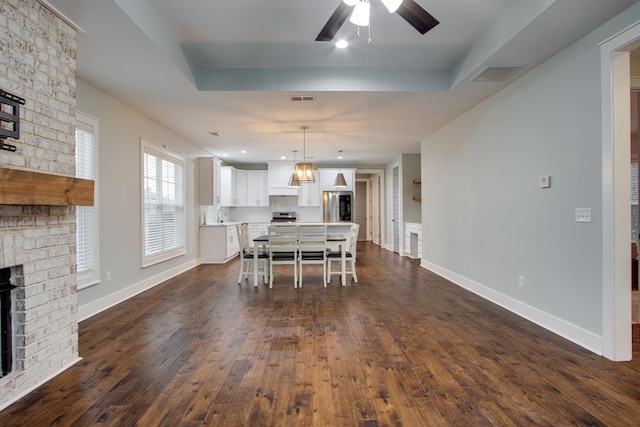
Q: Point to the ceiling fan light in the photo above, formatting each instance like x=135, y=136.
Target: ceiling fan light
x=360, y=15
x=350, y=2
x=340, y=181
x=392, y=5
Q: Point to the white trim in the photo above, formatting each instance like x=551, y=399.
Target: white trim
x=85, y=280
x=162, y=152
x=616, y=239
x=28, y=390
x=571, y=332
x=95, y=307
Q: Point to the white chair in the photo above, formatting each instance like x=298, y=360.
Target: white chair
x=312, y=248
x=283, y=249
x=246, y=254
x=350, y=255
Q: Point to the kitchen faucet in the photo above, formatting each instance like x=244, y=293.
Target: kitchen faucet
x=221, y=211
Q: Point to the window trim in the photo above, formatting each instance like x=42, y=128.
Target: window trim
x=86, y=280
x=162, y=152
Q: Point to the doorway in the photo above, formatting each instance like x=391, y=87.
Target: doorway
x=616, y=193
x=395, y=220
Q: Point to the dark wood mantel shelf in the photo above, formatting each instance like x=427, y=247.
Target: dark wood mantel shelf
x=19, y=187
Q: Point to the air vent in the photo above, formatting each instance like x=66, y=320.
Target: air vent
x=215, y=134
x=497, y=74
x=302, y=98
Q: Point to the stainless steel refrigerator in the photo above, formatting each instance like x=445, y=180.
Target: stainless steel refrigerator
x=337, y=206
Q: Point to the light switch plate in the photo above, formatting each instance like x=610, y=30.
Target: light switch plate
x=583, y=214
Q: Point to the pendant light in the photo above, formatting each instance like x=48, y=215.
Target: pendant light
x=293, y=181
x=340, y=182
x=304, y=170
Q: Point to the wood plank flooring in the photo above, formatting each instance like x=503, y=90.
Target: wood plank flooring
x=401, y=348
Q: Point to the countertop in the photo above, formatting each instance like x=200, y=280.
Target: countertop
x=233, y=223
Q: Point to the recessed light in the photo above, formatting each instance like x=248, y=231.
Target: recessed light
x=283, y=157
x=225, y=155
x=341, y=44
x=243, y=151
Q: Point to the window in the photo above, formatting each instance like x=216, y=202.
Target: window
x=88, y=271
x=163, y=204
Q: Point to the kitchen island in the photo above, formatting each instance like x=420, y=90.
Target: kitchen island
x=219, y=242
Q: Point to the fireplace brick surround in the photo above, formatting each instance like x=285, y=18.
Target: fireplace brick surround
x=37, y=63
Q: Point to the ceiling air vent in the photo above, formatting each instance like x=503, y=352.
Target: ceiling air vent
x=301, y=98
x=497, y=74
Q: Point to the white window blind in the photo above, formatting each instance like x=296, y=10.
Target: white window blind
x=163, y=200
x=86, y=216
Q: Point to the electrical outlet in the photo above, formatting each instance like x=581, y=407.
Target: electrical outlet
x=108, y=276
x=521, y=281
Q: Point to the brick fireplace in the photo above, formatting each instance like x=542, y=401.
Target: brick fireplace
x=37, y=243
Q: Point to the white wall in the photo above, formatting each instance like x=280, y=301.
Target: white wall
x=120, y=130
x=485, y=220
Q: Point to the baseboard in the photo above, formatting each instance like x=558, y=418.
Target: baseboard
x=95, y=307
x=26, y=391
x=569, y=331
x=388, y=247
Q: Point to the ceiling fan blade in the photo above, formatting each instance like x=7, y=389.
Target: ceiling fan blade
x=415, y=15
x=334, y=23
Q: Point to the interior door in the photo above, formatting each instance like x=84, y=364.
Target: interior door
x=396, y=210
x=361, y=209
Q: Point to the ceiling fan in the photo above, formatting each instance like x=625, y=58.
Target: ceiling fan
x=411, y=11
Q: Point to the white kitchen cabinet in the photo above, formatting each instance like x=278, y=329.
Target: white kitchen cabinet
x=218, y=243
x=328, y=177
x=228, y=190
x=257, y=229
x=279, y=174
x=240, y=190
x=209, y=181
x=309, y=194
x=257, y=193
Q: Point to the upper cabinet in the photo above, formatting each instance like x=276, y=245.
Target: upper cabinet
x=243, y=187
x=228, y=190
x=279, y=175
x=328, y=177
x=209, y=180
x=257, y=188
x=309, y=194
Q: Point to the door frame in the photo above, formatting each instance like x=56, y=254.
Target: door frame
x=616, y=198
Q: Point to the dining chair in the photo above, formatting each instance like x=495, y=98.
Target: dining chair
x=350, y=255
x=283, y=249
x=312, y=249
x=246, y=254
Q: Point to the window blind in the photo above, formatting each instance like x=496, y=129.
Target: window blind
x=164, y=212
x=86, y=222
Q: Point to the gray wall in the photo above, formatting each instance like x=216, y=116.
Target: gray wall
x=484, y=217
x=120, y=130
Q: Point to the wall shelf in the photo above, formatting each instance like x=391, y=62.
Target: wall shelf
x=417, y=181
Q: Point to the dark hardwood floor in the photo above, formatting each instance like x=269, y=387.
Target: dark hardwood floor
x=401, y=348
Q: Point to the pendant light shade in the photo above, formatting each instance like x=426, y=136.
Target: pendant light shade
x=304, y=170
x=340, y=182
x=293, y=181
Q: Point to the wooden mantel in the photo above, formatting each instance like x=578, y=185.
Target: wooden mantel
x=19, y=187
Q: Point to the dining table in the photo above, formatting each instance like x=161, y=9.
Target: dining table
x=263, y=241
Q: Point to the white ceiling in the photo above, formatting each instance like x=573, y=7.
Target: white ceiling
x=201, y=66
